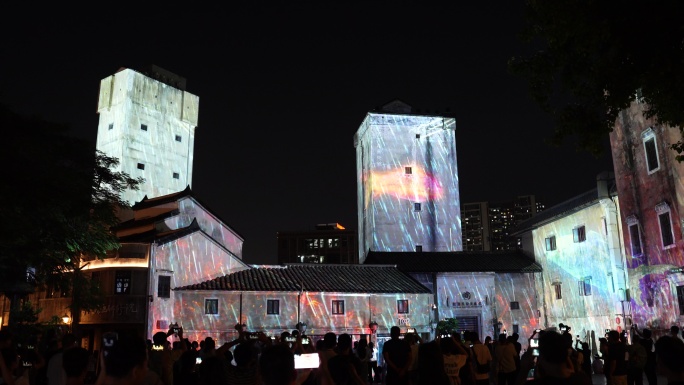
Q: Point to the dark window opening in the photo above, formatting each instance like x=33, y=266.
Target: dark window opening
x=164, y=286
x=338, y=306
x=178, y=138
x=651, y=154
x=635, y=236
x=143, y=127
x=141, y=166
x=122, y=282
x=211, y=306
x=666, y=229
x=273, y=306
x=515, y=305
x=402, y=306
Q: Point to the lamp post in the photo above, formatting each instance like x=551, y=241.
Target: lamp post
x=67, y=321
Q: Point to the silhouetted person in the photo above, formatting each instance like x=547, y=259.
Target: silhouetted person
x=75, y=364
x=553, y=364
x=125, y=362
x=276, y=365
x=345, y=367
x=669, y=353
x=55, y=371
x=397, y=355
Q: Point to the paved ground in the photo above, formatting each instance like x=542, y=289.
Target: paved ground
x=600, y=379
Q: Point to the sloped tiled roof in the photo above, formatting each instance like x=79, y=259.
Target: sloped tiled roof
x=160, y=237
x=133, y=223
x=318, y=278
x=151, y=202
x=458, y=261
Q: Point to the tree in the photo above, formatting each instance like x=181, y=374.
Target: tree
x=61, y=198
x=592, y=58
x=447, y=326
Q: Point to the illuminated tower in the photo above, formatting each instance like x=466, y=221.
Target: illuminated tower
x=148, y=122
x=408, y=196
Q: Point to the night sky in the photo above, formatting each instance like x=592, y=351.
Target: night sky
x=283, y=90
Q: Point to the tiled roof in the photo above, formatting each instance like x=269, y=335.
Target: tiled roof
x=151, y=202
x=318, y=278
x=133, y=223
x=160, y=237
x=457, y=261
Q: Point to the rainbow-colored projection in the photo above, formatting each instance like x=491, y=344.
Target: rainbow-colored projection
x=408, y=192
x=649, y=179
x=583, y=269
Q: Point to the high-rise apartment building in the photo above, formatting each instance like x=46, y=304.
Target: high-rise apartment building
x=148, y=122
x=408, y=191
x=327, y=243
x=488, y=225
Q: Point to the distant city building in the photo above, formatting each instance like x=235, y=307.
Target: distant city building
x=147, y=121
x=487, y=226
x=408, y=192
x=328, y=243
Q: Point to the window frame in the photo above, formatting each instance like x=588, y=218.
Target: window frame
x=514, y=305
x=403, y=306
x=123, y=275
x=579, y=234
x=143, y=127
x=633, y=222
x=584, y=287
x=647, y=136
x=417, y=206
x=207, y=301
x=163, y=290
x=558, y=290
x=408, y=170
x=664, y=209
x=550, y=243
x=272, y=307
x=337, y=307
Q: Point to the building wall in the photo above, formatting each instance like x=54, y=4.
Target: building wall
x=129, y=99
x=571, y=263
x=386, y=144
x=188, y=260
x=314, y=310
x=475, y=227
x=653, y=286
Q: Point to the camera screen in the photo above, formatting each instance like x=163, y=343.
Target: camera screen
x=534, y=343
x=253, y=336
x=305, y=341
x=535, y=352
x=290, y=339
x=307, y=361
x=198, y=360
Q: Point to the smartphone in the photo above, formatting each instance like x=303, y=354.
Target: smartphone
x=307, y=361
x=198, y=360
x=108, y=340
x=534, y=343
x=305, y=340
x=290, y=339
x=538, y=330
x=535, y=352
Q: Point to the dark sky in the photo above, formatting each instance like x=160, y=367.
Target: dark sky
x=283, y=89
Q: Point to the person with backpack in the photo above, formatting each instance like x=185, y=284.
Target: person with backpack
x=481, y=359
x=637, y=358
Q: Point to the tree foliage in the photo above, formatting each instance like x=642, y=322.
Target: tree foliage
x=447, y=326
x=590, y=59
x=59, y=201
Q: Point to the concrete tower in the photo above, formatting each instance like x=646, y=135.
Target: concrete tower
x=408, y=195
x=148, y=122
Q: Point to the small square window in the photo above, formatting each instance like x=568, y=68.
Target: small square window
x=416, y=206
x=551, y=243
x=515, y=305
x=122, y=282
x=273, y=306
x=579, y=234
x=111, y=126
x=585, y=286
x=338, y=306
x=408, y=170
x=558, y=290
x=143, y=127
x=211, y=306
x=178, y=138
x=419, y=248
x=141, y=166
x=402, y=306
x=176, y=175
x=164, y=286
x=417, y=136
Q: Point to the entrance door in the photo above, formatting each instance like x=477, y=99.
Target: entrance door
x=469, y=323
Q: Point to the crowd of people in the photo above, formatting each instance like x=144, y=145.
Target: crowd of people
x=457, y=358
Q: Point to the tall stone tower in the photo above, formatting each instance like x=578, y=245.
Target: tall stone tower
x=407, y=178
x=148, y=122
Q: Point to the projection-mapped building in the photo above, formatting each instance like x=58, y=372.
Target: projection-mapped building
x=148, y=122
x=649, y=183
x=408, y=193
